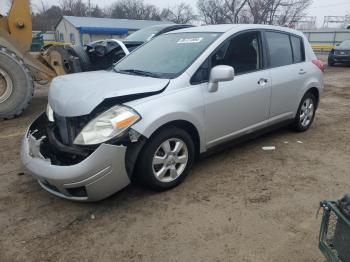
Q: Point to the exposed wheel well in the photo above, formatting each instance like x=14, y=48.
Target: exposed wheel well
x=189, y=127
x=316, y=93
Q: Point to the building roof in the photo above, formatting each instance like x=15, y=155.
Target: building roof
x=93, y=22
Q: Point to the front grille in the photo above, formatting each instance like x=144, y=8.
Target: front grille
x=342, y=52
x=67, y=128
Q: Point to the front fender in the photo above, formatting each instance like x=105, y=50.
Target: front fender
x=186, y=105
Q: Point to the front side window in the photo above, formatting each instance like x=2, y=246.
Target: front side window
x=280, y=49
x=243, y=53
x=166, y=56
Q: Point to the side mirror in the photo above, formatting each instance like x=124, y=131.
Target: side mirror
x=220, y=73
x=337, y=44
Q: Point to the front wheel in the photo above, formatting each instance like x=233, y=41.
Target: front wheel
x=166, y=159
x=306, y=113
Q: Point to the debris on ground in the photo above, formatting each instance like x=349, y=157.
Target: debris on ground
x=269, y=148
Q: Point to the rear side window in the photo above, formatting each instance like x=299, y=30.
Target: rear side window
x=298, y=49
x=280, y=49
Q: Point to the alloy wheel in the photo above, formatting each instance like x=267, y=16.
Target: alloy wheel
x=170, y=160
x=307, y=112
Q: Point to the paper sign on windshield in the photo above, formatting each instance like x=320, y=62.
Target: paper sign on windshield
x=193, y=40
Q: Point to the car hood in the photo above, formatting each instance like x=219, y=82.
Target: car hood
x=339, y=48
x=79, y=94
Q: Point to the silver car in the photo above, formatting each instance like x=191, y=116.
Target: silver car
x=176, y=97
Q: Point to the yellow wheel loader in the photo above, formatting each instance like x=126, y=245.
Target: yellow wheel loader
x=19, y=68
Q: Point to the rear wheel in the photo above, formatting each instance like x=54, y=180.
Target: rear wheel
x=306, y=112
x=16, y=85
x=166, y=159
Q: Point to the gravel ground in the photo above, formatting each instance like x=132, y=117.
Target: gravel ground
x=241, y=204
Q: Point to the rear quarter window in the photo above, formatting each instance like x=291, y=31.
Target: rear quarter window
x=298, y=49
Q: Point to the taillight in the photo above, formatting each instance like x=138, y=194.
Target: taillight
x=319, y=64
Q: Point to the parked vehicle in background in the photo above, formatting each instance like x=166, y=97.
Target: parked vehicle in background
x=179, y=95
x=140, y=37
x=103, y=54
x=340, y=54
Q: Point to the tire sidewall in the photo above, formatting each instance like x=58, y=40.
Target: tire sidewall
x=22, y=86
x=298, y=125
x=144, y=165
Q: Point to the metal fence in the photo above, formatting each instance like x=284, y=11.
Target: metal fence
x=325, y=40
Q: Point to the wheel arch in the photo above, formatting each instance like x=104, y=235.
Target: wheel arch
x=316, y=93
x=188, y=127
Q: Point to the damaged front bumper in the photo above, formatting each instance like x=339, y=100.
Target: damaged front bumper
x=97, y=176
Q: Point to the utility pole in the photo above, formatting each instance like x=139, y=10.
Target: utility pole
x=89, y=5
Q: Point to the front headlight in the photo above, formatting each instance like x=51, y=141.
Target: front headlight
x=108, y=125
x=49, y=113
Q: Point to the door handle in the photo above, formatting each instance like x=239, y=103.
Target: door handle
x=302, y=72
x=262, y=81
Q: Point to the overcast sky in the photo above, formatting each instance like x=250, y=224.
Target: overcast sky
x=319, y=8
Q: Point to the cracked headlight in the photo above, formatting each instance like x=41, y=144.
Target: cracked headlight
x=107, y=125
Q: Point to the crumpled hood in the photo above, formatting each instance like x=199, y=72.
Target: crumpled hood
x=79, y=94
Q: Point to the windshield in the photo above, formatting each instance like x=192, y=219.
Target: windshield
x=166, y=56
x=146, y=34
x=345, y=44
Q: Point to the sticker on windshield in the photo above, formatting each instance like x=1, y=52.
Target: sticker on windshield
x=193, y=40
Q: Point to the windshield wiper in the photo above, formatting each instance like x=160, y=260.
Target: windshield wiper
x=138, y=72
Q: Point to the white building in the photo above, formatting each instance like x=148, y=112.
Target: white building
x=82, y=30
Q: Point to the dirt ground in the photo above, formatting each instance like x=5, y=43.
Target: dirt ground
x=241, y=204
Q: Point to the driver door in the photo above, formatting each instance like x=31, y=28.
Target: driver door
x=242, y=105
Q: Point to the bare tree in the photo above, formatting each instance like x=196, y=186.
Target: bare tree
x=234, y=10
x=291, y=11
x=222, y=11
x=96, y=11
x=46, y=18
x=74, y=7
x=252, y=11
x=134, y=9
x=180, y=14
x=277, y=11
x=212, y=11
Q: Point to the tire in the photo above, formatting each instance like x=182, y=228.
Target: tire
x=146, y=170
x=84, y=59
x=16, y=85
x=307, y=108
x=330, y=62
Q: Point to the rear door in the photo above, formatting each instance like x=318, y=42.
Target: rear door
x=288, y=72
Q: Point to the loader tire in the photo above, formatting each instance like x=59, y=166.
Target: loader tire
x=84, y=59
x=16, y=85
